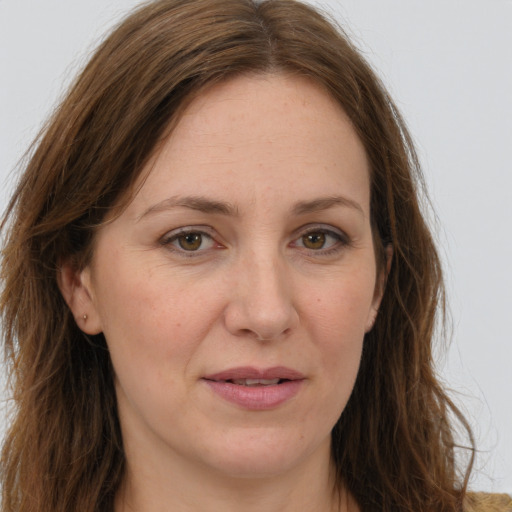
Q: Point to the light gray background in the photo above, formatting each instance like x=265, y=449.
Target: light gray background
x=448, y=64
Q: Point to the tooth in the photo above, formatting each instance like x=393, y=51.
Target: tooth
x=256, y=382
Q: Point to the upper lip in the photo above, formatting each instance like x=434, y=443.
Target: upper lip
x=249, y=372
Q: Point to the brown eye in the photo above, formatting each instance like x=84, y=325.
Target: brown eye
x=314, y=241
x=190, y=241
x=321, y=241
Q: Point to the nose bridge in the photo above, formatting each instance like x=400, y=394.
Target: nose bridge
x=262, y=302
x=265, y=281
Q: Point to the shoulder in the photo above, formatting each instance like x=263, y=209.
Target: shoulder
x=483, y=502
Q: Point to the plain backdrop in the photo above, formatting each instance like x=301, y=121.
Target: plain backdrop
x=448, y=65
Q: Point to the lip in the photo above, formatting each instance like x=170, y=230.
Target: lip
x=257, y=398
x=249, y=372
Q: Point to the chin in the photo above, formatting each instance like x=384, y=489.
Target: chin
x=257, y=454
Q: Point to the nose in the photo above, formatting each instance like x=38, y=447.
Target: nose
x=261, y=304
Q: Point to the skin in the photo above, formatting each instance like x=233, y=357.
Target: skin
x=284, y=275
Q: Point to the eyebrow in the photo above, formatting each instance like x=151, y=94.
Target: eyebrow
x=198, y=203
x=206, y=205
x=325, y=203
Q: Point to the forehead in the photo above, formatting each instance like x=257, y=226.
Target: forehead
x=255, y=133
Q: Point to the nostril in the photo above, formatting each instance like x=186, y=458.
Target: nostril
x=261, y=320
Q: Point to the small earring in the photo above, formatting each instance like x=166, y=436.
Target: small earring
x=85, y=317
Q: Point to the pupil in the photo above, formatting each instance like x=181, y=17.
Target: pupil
x=190, y=241
x=314, y=240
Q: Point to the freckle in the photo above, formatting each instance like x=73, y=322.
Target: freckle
x=178, y=324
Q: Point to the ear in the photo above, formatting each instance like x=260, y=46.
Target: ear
x=380, y=286
x=75, y=286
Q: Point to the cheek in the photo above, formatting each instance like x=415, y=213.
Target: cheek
x=339, y=311
x=153, y=325
x=154, y=332
x=341, y=339
x=338, y=318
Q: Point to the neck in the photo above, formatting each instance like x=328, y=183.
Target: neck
x=152, y=487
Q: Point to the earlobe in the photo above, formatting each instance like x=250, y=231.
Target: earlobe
x=380, y=288
x=372, y=317
x=75, y=286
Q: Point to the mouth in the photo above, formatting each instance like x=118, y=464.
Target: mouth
x=256, y=382
x=256, y=389
x=249, y=376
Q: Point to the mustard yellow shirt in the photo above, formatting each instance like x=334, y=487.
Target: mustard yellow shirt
x=483, y=502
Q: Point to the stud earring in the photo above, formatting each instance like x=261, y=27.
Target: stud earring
x=85, y=317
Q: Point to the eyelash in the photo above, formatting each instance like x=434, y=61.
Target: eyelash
x=169, y=239
x=341, y=241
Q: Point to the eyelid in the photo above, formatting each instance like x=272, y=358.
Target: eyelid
x=205, y=231
x=321, y=228
x=343, y=240
x=183, y=230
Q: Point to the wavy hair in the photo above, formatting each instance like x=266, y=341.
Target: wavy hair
x=393, y=446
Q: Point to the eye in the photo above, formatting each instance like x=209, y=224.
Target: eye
x=188, y=241
x=314, y=240
x=321, y=240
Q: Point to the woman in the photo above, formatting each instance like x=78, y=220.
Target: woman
x=219, y=290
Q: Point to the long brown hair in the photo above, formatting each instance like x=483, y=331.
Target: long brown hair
x=393, y=446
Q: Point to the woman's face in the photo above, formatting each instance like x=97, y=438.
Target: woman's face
x=235, y=290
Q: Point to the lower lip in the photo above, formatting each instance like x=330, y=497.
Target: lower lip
x=256, y=398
